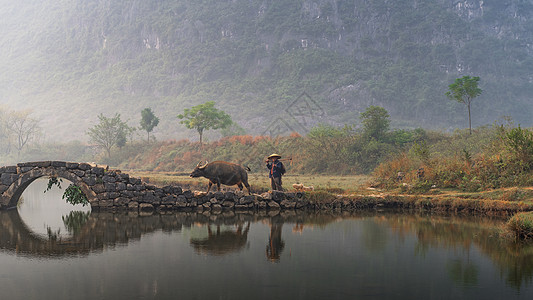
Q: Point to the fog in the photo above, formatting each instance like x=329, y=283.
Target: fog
x=70, y=61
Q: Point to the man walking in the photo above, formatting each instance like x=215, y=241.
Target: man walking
x=276, y=170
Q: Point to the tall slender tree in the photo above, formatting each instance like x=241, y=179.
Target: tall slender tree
x=464, y=90
x=204, y=117
x=148, y=121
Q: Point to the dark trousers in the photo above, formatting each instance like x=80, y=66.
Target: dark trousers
x=275, y=183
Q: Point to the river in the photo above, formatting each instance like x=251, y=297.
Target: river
x=56, y=252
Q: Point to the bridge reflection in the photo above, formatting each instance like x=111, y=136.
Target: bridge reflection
x=227, y=233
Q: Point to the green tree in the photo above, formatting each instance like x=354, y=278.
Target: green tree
x=148, y=121
x=376, y=122
x=109, y=132
x=464, y=90
x=204, y=117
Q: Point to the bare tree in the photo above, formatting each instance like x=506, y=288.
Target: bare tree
x=23, y=127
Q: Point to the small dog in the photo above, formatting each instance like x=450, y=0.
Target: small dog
x=302, y=187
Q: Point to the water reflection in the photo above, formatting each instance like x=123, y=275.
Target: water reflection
x=46, y=213
x=363, y=247
x=222, y=242
x=275, y=243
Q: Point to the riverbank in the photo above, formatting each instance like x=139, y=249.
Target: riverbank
x=351, y=193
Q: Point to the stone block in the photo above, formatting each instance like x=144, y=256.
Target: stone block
x=146, y=207
x=38, y=164
x=288, y=204
x=169, y=199
x=9, y=169
x=188, y=194
x=26, y=169
x=97, y=171
x=84, y=166
x=229, y=196
x=121, y=201
x=90, y=181
x=278, y=196
x=121, y=186
x=273, y=205
x=8, y=178
x=109, y=179
x=133, y=205
x=228, y=204
x=58, y=164
x=167, y=189
x=72, y=165
x=113, y=195
x=105, y=203
x=135, y=181
x=151, y=198
x=219, y=196
x=261, y=205
x=98, y=188
x=79, y=173
x=176, y=190
x=110, y=187
x=126, y=193
x=123, y=177
x=241, y=207
x=246, y=200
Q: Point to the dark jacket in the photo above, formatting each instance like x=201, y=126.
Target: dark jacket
x=275, y=169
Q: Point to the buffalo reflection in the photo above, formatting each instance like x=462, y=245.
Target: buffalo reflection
x=222, y=242
x=97, y=231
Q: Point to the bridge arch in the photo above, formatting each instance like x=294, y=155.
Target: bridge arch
x=15, y=179
x=16, y=189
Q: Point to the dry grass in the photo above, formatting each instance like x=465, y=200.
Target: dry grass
x=336, y=184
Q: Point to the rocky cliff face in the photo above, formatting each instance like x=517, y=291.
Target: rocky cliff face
x=96, y=55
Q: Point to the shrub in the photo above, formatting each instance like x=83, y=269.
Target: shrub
x=521, y=225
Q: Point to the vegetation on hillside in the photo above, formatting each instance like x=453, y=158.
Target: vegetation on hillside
x=492, y=157
x=123, y=56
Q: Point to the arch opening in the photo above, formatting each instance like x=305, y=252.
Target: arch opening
x=47, y=214
x=17, y=188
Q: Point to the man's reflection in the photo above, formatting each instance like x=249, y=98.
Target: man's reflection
x=275, y=243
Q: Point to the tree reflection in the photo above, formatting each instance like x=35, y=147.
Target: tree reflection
x=75, y=220
x=463, y=273
x=375, y=235
x=228, y=233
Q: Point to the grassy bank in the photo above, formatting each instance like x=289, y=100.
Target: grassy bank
x=331, y=190
x=521, y=225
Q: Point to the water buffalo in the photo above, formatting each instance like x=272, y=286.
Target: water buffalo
x=221, y=172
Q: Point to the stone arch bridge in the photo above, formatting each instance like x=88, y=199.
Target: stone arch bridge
x=111, y=189
x=101, y=186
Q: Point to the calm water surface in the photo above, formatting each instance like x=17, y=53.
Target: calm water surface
x=47, y=252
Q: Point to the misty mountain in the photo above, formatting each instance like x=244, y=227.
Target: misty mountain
x=273, y=65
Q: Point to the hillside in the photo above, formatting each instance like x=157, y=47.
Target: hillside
x=71, y=60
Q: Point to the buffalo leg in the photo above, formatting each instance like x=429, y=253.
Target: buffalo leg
x=247, y=187
x=210, y=184
x=240, y=186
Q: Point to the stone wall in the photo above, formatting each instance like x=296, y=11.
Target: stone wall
x=114, y=190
